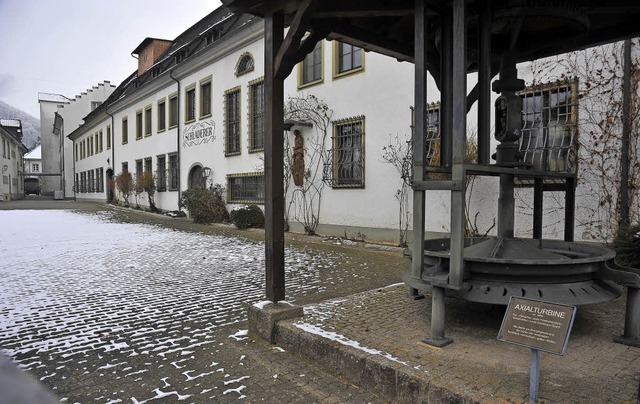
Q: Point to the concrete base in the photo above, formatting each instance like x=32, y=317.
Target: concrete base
x=264, y=316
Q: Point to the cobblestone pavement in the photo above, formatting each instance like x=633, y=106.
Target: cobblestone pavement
x=104, y=308
x=594, y=369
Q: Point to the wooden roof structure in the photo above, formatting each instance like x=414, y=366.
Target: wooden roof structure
x=449, y=39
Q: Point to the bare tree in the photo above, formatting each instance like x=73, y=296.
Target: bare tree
x=600, y=72
x=398, y=153
x=124, y=183
x=304, y=203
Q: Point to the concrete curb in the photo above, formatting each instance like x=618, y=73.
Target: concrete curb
x=393, y=380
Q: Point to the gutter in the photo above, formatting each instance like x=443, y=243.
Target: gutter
x=178, y=138
x=113, y=151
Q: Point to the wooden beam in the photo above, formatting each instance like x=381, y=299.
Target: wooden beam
x=288, y=49
x=274, y=160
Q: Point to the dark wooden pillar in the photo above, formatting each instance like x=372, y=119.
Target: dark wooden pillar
x=274, y=159
x=484, y=88
x=420, y=100
x=459, y=142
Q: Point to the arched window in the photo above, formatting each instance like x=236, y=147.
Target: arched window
x=245, y=64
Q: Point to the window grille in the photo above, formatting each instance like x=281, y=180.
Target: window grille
x=161, y=174
x=549, y=126
x=232, y=121
x=256, y=115
x=345, y=165
x=190, y=105
x=173, y=172
x=245, y=188
x=245, y=64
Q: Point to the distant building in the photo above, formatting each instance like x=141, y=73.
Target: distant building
x=11, y=159
x=33, y=170
x=56, y=149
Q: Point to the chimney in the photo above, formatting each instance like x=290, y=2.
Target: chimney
x=149, y=52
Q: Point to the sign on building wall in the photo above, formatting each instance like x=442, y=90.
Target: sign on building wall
x=199, y=133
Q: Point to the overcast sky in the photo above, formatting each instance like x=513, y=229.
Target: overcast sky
x=67, y=46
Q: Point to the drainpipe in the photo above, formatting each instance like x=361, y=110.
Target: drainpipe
x=75, y=183
x=113, y=151
x=178, y=138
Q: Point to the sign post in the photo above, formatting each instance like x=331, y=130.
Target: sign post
x=539, y=325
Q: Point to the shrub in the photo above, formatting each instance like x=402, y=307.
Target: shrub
x=247, y=216
x=627, y=246
x=205, y=205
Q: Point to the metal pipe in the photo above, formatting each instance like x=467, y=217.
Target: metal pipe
x=632, y=317
x=178, y=137
x=437, y=337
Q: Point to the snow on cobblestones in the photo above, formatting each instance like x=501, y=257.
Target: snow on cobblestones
x=87, y=289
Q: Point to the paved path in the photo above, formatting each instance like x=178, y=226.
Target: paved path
x=103, y=308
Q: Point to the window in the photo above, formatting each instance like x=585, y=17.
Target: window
x=139, y=125
x=310, y=70
x=173, y=172
x=100, y=141
x=347, y=59
x=108, y=137
x=76, y=184
x=90, y=185
x=549, y=129
x=125, y=167
x=101, y=180
x=147, y=165
x=161, y=173
x=256, y=115
x=245, y=188
x=205, y=98
x=173, y=111
x=347, y=160
x=75, y=154
x=232, y=121
x=190, y=104
x=162, y=115
x=125, y=130
x=138, y=169
x=35, y=167
x=91, y=142
x=245, y=64
x=147, y=121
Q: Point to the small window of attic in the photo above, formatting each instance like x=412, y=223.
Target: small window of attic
x=245, y=64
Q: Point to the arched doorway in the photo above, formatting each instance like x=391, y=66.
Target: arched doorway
x=110, y=186
x=196, y=180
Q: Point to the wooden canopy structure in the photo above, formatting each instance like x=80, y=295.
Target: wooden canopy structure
x=449, y=39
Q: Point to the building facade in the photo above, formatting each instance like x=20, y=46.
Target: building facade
x=11, y=159
x=59, y=116
x=192, y=116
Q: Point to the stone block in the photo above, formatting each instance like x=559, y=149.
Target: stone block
x=263, y=317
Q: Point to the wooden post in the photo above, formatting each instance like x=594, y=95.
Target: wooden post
x=274, y=160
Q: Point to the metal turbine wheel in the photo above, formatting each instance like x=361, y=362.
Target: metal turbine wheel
x=498, y=268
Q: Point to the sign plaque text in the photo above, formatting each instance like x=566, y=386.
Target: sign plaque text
x=537, y=324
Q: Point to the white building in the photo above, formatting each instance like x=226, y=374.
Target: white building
x=195, y=102
x=11, y=159
x=56, y=147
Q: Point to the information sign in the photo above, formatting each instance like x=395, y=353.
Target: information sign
x=537, y=324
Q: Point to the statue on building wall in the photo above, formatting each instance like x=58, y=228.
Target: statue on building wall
x=298, y=159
